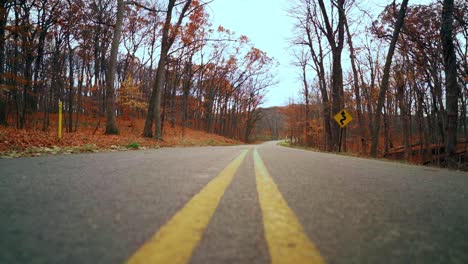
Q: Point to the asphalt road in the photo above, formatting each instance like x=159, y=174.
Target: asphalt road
x=103, y=207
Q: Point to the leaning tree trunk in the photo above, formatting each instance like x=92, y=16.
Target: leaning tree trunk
x=386, y=77
x=451, y=84
x=111, y=127
x=154, y=106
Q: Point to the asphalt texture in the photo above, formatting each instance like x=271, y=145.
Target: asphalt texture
x=100, y=208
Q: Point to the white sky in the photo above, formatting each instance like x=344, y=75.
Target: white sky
x=267, y=25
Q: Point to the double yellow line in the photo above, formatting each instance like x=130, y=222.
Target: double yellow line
x=176, y=240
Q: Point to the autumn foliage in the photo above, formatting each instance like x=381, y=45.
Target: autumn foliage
x=408, y=104
x=33, y=142
x=171, y=66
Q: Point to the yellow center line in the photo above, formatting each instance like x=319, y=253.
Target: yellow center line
x=285, y=236
x=175, y=241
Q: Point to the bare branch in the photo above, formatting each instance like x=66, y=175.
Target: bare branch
x=140, y=5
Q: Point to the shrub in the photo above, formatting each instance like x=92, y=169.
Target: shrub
x=133, y=145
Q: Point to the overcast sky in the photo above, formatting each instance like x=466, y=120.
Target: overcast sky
x=268, y=26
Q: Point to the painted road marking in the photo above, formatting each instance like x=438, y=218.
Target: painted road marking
x=175, y=241
x=285, y=236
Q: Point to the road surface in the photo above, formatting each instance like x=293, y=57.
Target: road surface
x=241, y=204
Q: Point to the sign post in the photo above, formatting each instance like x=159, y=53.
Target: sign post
x=342, y=118
x=60, y=104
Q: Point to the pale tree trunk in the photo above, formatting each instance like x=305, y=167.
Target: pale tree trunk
x=386, y=129
x=386, y=76
x=423, y=129
x=111, y=127
x=451, y=84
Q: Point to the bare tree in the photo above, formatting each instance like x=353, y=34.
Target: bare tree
x=302, y=60
x=168, y=38
x=386, y=76
x=335, y=37
x=4, y=9
x=111, y=127
x=311, y=34
x=357, y=92
x=451, y=84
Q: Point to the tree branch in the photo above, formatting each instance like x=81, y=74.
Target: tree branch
x=135, y=3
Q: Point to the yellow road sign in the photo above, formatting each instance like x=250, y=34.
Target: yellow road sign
x=343, y=118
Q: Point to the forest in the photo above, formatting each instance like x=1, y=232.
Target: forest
x=402, y=76
x=159, y=61
x=154, y=65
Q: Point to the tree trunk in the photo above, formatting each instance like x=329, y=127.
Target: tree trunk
x=318, y=62
x=308, y=136
x=154, y=105
x=367, y=91
x=463, y=114
x=451, y=84
x=423, y=130
x=337, y=71
x=78, y=103
x=357, y=93
x=167, y=83
x=337, y=91
x=3, y=95
x=386, y=76
x=111, y=127
x=173, y=96
x=70, y=90
x=27, y=96
x=386, y=130
x=186, y=92
x=403, y=114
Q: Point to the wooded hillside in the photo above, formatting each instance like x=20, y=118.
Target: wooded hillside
x=402, y=76
x=161, y=61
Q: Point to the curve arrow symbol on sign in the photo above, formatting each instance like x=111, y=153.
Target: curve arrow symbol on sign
x=343, y=118
x=343, y=114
